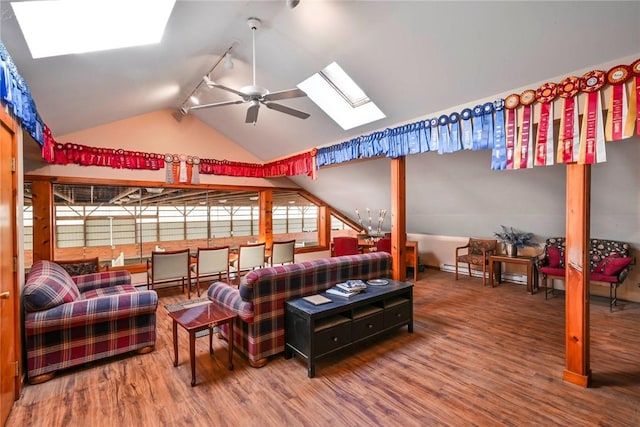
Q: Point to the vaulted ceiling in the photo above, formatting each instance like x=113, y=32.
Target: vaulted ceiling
x=413, y=58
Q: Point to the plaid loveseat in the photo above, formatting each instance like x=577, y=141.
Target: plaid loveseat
x=259, y=300
x=70, y=321
x=609, y=264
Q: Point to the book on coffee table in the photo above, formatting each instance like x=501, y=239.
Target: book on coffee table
x=338, y=291
x=316, y=299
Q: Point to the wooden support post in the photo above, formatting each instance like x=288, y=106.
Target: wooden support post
x=577, y=275
x=324, y=226
x=266, y=217
x=398, y=218
x=43, y=220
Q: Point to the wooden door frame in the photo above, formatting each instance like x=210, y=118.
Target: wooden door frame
x=6, y=121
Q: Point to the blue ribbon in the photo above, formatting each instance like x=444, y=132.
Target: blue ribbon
x=443, y=124
x=487, y=126
x=434, y=145
x=477, y=127
x=425, y=140
x=454, y=120
x=499, y=154
x=467, y=129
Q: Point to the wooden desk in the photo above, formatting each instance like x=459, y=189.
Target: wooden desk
x=529, y=261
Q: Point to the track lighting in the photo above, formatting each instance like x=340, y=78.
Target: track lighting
x=292, y=3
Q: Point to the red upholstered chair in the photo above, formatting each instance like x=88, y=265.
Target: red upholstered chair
x=345, y=246
x=383, y=245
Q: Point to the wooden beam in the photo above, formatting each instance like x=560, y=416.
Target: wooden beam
x=266, y=217
x=577, y=274
x=398, y=217
x=43, y=225
x=324, y=226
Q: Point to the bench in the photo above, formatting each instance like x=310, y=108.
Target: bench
x=609, y=260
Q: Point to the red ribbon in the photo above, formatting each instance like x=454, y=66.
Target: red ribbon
x=567, y=131
x=617, y=109
x=637, y=84
x=510, y=136
x=543, y=131
x=591, y=116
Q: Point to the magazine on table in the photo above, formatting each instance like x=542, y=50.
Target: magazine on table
x=342, y=292
x=352, y=285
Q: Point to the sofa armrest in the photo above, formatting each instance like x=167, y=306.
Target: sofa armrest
x=229, y=297
x=91, y=311
x=88, y=282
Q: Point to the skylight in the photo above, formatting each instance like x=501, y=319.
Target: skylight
x=340, y=97
x=62, y=27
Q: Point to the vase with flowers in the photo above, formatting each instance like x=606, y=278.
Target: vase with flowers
x=513, y=239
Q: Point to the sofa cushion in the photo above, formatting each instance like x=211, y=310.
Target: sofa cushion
x=48, y=285
x=554, y=257
x=600, y=267
x=616, y=265
x=601, y=277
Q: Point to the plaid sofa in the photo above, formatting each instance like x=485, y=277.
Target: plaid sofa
x=259, y=300
x=609, y=260
x=70, y=321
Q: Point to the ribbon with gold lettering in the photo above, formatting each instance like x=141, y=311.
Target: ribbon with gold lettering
x=592, y=147
x=635, y=93
x=569, y=138
x=545, y=95
x=511, y=102
x=620, y=116
x=524, y=147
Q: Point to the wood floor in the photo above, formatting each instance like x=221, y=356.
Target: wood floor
x=478, y=356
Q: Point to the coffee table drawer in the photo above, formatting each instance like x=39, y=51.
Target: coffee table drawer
x=368, y=326
x=397, y=314
x=331, y=338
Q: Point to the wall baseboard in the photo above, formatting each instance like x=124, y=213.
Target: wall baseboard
x=519, y=279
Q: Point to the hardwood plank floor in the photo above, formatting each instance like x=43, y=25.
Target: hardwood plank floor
x=478, y=356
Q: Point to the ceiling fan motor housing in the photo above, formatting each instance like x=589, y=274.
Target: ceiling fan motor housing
x=254, y=23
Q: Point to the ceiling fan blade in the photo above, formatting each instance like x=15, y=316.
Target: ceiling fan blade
x=284, y=94
x=211, y=83
x=252, y=113
x=215, y=104
x=287, y=110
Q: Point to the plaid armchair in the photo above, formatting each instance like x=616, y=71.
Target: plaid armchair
x=70, y=321
x=259, y=301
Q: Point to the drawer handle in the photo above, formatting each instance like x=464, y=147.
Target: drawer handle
x=335, y=339
x=398, y=315
x=369, y=326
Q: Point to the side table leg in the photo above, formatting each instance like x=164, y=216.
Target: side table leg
x=230, y=341
x=210, y=339
x=175, y=343
x=192, y=356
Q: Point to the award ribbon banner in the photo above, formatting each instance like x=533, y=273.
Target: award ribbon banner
x=499, y=153
x=592, y=147
x=545, y=95
x=635, y=93
x=569, y=138
x=524, y=148
x=467, y=129
x=620, y=115
x=511, y=125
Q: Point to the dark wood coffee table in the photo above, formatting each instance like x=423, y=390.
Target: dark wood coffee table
x=198, y=318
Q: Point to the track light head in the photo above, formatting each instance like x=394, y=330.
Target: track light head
x=292, y=3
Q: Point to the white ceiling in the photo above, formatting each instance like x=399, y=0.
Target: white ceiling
x=412, y=58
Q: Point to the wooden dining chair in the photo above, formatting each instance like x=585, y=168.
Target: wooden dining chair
x=169, y=266
x=282, y=252
x=478, y=252
x=250, y=257
x=210, y=262
x=345, y=246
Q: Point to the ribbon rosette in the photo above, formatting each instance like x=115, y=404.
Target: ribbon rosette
x=545, y=95
x=524, y=147
x=444, y=140
x=478, y=143
x=592, y=148
x=620, y=115
x=454, y=132
x=435, y=145
x=511, y=123
x=569, y=140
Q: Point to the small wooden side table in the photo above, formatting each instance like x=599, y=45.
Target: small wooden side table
x=529, y=261
x=198, y=318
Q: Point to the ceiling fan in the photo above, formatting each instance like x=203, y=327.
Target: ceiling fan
x=254, y=94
